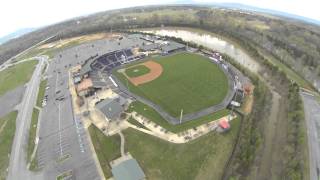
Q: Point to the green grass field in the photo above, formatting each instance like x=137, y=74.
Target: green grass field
x=189, y=82
x=42, y=90
x=7, y=131
x=154, y=116
x=16, y=76
x=107, y=149
x=32, y=133
x=137, y=71
x=203, y=158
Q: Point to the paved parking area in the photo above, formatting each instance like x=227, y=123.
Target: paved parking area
x=62, y=134
x=312, y=116
x=10, y=100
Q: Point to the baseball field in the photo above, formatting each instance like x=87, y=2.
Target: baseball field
x=180, y=81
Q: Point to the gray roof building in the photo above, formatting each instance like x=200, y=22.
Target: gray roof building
x=172, y=46
x=149, y=47
x=128, y=170
x=86, y=68
x=111, y=108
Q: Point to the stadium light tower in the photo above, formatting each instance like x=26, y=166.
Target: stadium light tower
x=181, y=114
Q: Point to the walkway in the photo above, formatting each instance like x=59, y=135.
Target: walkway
x=181, y=137
x=122, y=143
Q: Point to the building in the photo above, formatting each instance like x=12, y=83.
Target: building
x=128, y=170
x=149, y=47
x=112, y=107
x=172, y=47
x=84, y=87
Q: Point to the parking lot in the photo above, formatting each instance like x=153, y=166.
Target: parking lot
x=312, y=116
x=63, y=143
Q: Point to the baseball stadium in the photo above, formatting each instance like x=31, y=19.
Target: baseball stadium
x=179, y=83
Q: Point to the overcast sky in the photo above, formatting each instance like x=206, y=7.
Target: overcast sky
x=17, y=14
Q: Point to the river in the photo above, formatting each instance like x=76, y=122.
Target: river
x=209, y=40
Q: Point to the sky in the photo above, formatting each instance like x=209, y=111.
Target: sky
x=18, y=14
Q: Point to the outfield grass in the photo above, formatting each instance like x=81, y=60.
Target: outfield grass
x=154, y=116
x=16, y=76
x=42, y=90
x=203, y=158
x=189, y=82
x=107, y=149
x=137, y=71
x=32, y=133
x=7, y=131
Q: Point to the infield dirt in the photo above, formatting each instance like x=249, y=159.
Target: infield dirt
x=155, y=71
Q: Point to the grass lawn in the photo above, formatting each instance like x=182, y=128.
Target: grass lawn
x=16, y=76
x=154, y=116
x=189, y=82
x=7, y=131
x=203, y=158
x=42, y=90
x=32, y=132
x=136, y=123
x=107, y=149
x=137, y=71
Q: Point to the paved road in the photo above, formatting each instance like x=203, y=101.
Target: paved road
x=312, y=115
x=18, y=166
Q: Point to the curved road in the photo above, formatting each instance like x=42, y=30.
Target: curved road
x=18, y=165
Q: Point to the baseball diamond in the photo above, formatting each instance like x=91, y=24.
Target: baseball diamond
x=178, y=88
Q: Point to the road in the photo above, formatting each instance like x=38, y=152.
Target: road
x=18, y=164
x=312, y=116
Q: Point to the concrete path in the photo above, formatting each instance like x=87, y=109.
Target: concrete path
x=122, y=143
x=181, y=137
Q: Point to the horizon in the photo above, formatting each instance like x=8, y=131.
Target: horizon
x=43, y=22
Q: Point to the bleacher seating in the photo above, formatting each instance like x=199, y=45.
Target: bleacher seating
x=128, y=52
x=113, y=59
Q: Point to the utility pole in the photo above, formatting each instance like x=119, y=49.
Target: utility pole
x=181, y=114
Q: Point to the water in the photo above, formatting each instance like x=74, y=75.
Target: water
x=210, y=41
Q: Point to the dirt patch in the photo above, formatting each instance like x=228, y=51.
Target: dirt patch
x=247, y=106
x=79, y=39
x=155, y=71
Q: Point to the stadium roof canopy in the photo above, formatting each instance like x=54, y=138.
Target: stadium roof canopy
x=128, y=170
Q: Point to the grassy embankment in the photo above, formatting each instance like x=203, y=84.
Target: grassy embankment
x=16, y=75
x=32, y=136
x=7, y=131
x=42, y=90
x=154, y=116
